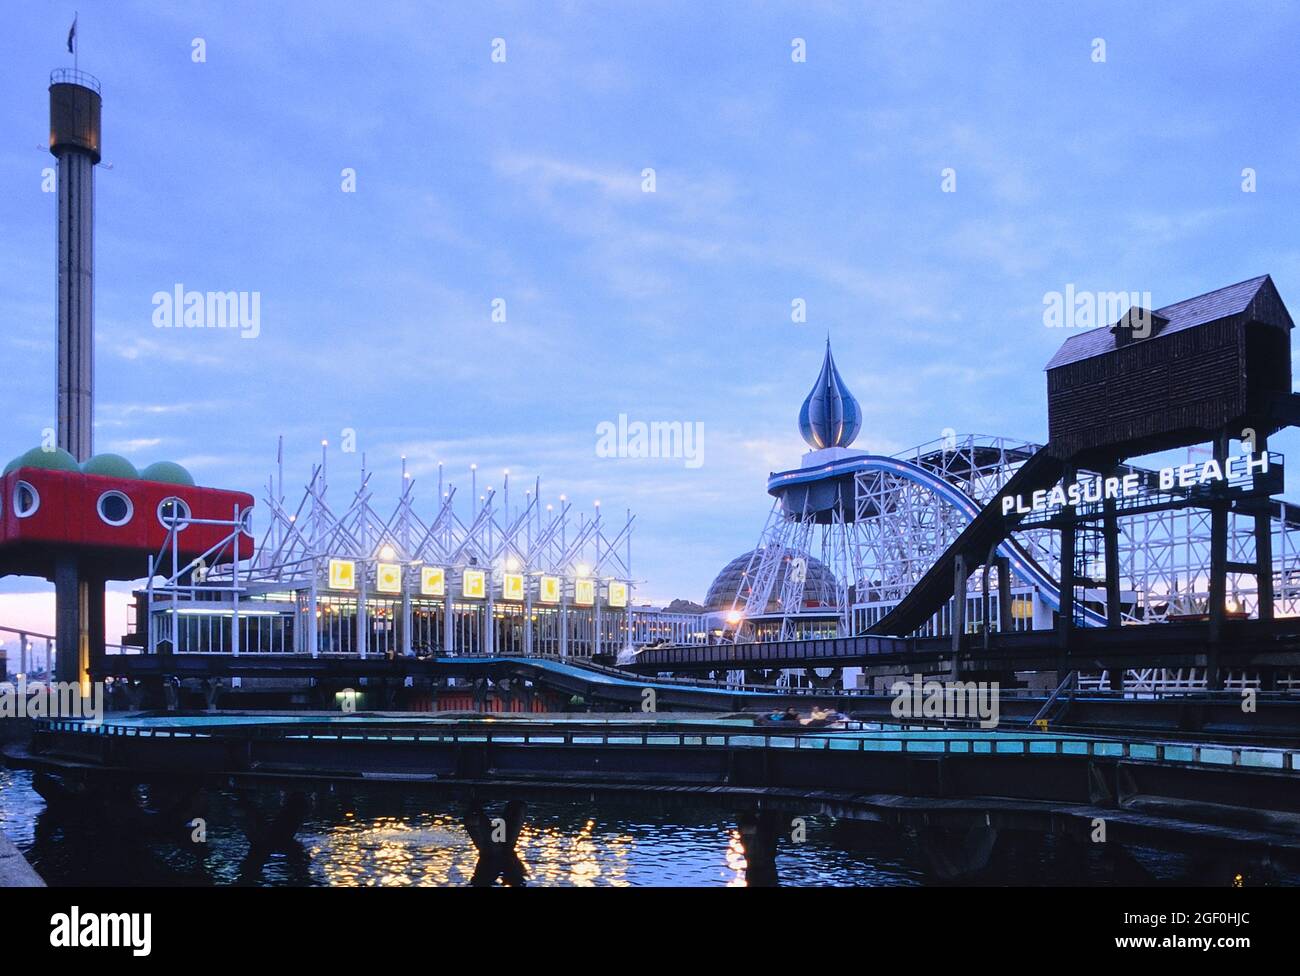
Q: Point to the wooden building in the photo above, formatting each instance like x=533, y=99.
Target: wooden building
x=1174, y=376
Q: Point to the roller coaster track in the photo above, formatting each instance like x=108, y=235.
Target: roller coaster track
x=985, y=527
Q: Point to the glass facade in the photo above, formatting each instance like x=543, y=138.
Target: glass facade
x=452, y=625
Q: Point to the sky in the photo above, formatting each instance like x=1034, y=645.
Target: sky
x=917, y=177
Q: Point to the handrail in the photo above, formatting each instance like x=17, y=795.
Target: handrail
x=73, y=76
x=1066, y=682
x=24, y=633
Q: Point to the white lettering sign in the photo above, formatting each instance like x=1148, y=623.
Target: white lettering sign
x=1089, y=491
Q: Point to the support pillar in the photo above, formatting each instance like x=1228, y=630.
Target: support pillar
x=362, y=620
x=313, y=620
x=404, y=636
x=1065, y=616
x=71, y=609
x=1264, y=549
x=1110, y=533
x=528, y=616
x=1007, y=625
x=495, y=840
x=1218, y=571
x=564, y=619
x=94, y=627
x=759, y=834
x=961, y=572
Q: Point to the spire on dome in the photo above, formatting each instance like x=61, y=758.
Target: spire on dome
x=830, y=416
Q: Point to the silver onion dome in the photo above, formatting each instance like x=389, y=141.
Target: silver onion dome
x=830, y=417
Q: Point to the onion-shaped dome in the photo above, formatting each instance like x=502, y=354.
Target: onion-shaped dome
x=168, y=472
x=818, y=587
x=54, y=459
x=830, y=417
x=110, y=466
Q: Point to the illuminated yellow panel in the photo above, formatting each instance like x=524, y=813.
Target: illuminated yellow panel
x=512, y=586
x=343, y=574
x=433, y=581
x=548, y=591
x=388, y=578
x=617, y=594
x=584, y=592
x=473, y=584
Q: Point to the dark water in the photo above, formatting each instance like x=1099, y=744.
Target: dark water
x=385, y=837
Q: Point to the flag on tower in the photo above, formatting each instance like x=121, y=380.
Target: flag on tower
x=72, y=35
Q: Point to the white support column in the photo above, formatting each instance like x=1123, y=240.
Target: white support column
x=564, y=617
x=528, y=615
x=363, y=624
x=313, y=622
x=148, y=610
x=405, y=646
x=234, y=592
x=448, y=630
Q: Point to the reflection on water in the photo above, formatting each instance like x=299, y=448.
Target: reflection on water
x=433, y=849
x=377, y=837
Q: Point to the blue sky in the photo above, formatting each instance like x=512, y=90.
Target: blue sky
x=522, y=180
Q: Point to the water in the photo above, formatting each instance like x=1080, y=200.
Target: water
x=395, y=837
x=381, y=837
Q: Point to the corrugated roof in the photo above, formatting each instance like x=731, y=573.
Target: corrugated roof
x=1190, y=312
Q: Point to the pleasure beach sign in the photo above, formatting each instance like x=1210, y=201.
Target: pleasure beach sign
x=1088, y=491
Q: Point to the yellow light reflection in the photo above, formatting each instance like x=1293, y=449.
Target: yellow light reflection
x=434, y=850
x=736, y=862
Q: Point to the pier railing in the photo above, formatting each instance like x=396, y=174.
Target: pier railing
x=918, y=743
x=27, y=650
x=1231, y=695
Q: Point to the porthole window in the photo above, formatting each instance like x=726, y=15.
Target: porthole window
x=173, y=511
x=115, y=508
x=246, y=521
x=26, y=500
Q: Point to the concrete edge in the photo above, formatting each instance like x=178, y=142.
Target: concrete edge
x=15, y=872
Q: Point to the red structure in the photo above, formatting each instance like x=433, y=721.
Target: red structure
x=112, y=525
x=81, y=525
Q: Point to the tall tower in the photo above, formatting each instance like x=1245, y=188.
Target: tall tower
x=74, y=140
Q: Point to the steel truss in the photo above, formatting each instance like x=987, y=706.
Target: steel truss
x=576, y=570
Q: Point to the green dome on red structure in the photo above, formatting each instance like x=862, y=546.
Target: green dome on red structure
x=50, y=459
x=168, y=472
x=103, y=465
x=110, y=466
